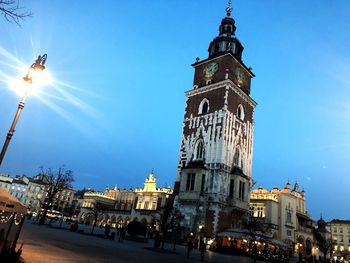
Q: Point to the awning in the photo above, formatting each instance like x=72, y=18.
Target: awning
x=9, y=203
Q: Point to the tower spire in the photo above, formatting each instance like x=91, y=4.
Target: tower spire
x=229, y=8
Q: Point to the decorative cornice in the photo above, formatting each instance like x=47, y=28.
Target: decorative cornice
x=222, y=84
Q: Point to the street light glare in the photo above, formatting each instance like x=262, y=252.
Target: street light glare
x=38, y=78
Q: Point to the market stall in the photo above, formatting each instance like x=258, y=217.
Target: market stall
x=12, y=215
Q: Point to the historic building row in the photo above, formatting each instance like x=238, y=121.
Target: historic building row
x=32, y=192
x=117, y=207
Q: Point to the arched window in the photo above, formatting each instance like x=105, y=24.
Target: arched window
x=237, y=158
x=199, y=151
x=240, y=112
x=203, y=107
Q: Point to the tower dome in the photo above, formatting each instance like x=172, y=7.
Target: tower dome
x=226, y=41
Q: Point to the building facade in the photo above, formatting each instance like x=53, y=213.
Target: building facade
x=281, y=214
x=117, y=207
x=340, y=232
x=32, y=192
x=214, y=171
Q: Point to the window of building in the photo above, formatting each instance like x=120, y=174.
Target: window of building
x=240, y=112
x=340, y=230
x=146, y=205
x=289, y=233
x=190, y=182
x=204, y=105
x=261, y=212
x=154, y=205
x=232, y=188
x=251, y=211
x=203, y=183
x=236, y=158
x=199, y=151
x=289, y=217
x=335, y=230
x=241, y=190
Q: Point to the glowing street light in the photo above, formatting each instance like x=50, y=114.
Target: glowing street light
x=37, y=67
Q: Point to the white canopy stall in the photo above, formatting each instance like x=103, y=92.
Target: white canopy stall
x=12, y=214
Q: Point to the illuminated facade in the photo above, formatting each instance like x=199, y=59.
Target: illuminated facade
x=340, y=232
x=117, y=207
x=281, y=214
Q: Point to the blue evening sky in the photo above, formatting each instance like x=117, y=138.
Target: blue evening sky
x=116, y=107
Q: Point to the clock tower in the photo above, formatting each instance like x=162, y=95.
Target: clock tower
x=214, y=171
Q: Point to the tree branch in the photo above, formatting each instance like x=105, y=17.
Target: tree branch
x=13, y=12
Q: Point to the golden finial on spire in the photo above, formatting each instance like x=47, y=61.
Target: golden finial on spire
x=228, y=8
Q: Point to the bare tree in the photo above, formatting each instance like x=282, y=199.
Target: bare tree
x=13, y=12
x=56, y=181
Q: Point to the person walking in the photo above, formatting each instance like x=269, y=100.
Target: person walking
x=202, y=248
x=189, y=247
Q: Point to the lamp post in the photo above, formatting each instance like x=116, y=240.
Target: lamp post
x=38, y=65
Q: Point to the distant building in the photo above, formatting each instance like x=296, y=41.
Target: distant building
x=340, y=232
x=281, y=214
x=6, y=182
x=32, y=192
x=117, y=207
x=19, y=188
x=35, y=194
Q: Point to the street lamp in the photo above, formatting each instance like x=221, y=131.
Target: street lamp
x=37, y=66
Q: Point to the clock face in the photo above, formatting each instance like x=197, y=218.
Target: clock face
x=239, y=76
x=210, y=70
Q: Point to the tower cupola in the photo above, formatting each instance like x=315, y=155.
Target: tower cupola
x=226, y=41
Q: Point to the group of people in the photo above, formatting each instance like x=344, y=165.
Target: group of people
x=196, y=244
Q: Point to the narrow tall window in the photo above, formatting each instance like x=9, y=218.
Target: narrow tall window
x=205, y=107
x=236, y=158
x=232, y=188
x=241, y=190
x=240, y=112
x=190, y=182
x=203, y=183
x=199, y=152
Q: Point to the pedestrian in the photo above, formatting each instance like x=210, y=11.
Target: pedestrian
x=202, y=248
x=122, y=234
x=107, y=230
x=189, y=247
